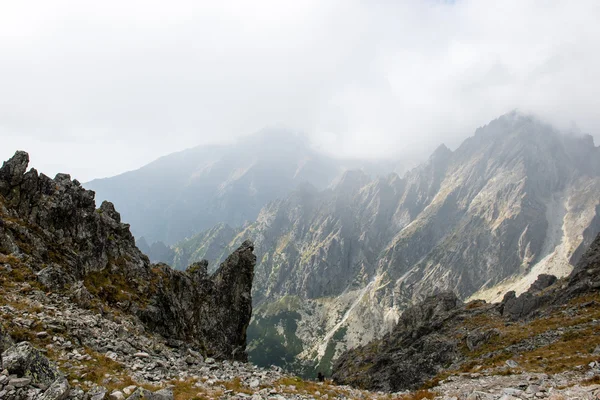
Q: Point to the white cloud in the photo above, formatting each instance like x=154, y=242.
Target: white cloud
x=96, y=88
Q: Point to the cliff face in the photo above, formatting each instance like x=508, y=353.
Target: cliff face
x=54, y=229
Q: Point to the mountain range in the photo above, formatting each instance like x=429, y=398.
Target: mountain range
x=381, y=281
x=184, y=193
x=337, y=267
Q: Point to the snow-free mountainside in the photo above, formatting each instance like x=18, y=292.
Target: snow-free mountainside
x=184, y=193
x=337, y=267
x=363, y=281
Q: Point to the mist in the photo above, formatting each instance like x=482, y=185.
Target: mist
x=100, y=88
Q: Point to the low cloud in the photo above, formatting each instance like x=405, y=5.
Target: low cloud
x=99, y=88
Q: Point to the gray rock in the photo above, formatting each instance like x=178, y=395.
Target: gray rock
x=19, y=382
x=54, y=278
x=141, y=393
x=477, y=338
x=254, y=383
x=58, y=390
x=12, y=171
x=81, y=295
x=477, y=395
x=116, y=395
x=129, y=390
x=542, y=282
x=25, y=360
x=97, y=393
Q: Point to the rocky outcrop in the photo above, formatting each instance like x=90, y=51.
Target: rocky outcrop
x=443, y=334
x=53, y=228
x=26, y=361
x=28, y=374
x=414, y=350
x=527, y=303
x=213, y=306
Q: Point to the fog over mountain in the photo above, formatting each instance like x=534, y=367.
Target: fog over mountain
x=97, y=89
x=299, y=200
x=337, y=267
x=184, y=193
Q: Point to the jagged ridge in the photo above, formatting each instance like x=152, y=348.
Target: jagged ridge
x=53, y=227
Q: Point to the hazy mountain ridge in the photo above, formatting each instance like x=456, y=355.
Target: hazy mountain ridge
x=184, y=193
x=516, y=197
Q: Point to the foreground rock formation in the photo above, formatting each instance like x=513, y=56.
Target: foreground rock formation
x=51, y=228
x=84, y=315
x=552, y=329
x=55, y=350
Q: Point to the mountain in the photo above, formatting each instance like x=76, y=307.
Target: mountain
x=184, y=193
x=551, y=328
x=50, y=229
x=85, y=315
x=157, y=252
x=338, y=266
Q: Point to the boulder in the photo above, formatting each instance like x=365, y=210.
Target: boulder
x=58, y=390
x=54, y=278
x=141, y=393
x=542, y=282
x=24, y=360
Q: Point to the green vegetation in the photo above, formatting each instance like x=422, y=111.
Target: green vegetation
x=325, y=364
x=574, y=347
x=273, y=337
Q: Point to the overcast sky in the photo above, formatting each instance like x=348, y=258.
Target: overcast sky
x=98, y=88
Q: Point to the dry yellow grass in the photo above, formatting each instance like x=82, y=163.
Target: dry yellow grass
x=574, y=348
x=419, y=395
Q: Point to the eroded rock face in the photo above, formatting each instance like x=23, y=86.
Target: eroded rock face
x=509, y=203
x=413, y=352
x=53, y=227
x=215, y=306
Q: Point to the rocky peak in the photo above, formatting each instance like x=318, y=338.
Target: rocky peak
x=431, y=312
x=12, y=171
x=54, y=229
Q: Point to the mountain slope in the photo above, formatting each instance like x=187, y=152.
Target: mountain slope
x=517, y=199
x=84, y=315
x=184, y=193
x=551, y=328
x=51, y=230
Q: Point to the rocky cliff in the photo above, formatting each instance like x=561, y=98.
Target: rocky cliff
x=550, y=328
x=338, y=267
x=51, y=228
